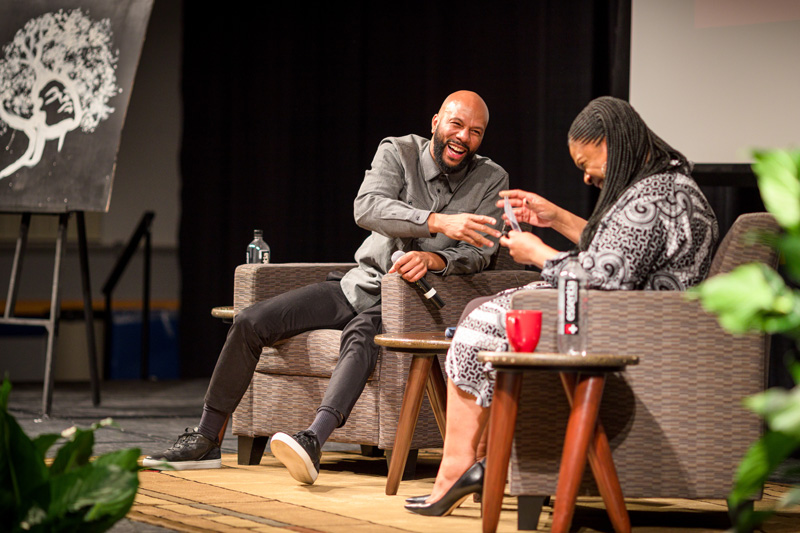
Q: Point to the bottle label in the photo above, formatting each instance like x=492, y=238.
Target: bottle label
x=571, y=317
x=264, y=256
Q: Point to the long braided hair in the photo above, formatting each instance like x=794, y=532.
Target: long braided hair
x=634, y=152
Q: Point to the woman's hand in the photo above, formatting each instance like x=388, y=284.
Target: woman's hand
x=527, y=249
x=537, y=211
x=530, y=208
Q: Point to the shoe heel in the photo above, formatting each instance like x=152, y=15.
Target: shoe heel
x=455, y=506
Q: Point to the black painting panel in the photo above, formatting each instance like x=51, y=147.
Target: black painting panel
x=66, y=74
x=284, y=108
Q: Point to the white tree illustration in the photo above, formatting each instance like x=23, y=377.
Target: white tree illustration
x=57, y=74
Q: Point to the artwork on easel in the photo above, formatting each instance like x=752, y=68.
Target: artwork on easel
x=66, y=73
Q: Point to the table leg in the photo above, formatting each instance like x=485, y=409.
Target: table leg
x=602, y=464
x=409, y=412
x=437, y=394
x=580, y=430
x=502, y=420
x=605, y=474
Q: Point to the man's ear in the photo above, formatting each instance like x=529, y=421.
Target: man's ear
x=434, y=122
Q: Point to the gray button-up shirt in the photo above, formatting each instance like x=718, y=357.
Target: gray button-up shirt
x=399, y=192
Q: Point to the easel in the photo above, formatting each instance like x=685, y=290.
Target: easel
x=52, y=321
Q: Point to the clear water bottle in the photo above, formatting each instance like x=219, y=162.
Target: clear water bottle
x=572, y=308
x=258, y=250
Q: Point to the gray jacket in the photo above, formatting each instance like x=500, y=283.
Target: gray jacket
x=400, y=190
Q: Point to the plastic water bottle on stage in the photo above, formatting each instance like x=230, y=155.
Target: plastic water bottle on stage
x=258, y=250
x=572, y=308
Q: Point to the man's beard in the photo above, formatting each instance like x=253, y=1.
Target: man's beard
x=438, y=154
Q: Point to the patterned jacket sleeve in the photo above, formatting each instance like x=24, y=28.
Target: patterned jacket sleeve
x=643, y=240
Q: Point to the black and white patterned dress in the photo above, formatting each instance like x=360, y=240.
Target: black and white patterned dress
x=660, y=235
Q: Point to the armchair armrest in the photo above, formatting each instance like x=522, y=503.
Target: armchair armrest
x=254, y=283
x=404, y=308
x=621, y=320
x=674, y=338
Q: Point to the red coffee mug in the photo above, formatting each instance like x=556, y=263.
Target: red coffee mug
x=523, y=328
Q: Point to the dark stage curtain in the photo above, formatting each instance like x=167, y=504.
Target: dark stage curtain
x=285, y=105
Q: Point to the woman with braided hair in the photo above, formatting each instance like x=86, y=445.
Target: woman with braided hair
x=652, y=229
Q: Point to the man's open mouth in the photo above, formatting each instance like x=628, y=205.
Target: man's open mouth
x=457, y=151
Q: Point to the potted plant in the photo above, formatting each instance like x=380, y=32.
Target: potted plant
x=756, y=298
x=71, y=493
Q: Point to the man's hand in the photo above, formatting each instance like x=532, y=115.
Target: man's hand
x=464, y=227
x=527, y=248
x=413, y=265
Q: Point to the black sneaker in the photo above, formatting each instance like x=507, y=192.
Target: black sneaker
x=192, y=451
x=299, y=453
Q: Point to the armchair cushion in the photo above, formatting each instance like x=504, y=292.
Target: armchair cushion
x=291, y=356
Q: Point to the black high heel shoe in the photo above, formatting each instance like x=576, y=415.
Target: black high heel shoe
x=421, y=499
x=469, y=483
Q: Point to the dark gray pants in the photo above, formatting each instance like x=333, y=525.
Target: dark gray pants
x=319, y=306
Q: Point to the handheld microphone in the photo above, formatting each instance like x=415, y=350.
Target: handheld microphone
x=427, y=291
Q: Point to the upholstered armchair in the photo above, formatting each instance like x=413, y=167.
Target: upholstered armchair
x=675, y=421
x=291, y=377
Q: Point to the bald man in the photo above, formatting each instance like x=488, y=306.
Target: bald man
x=432, y=199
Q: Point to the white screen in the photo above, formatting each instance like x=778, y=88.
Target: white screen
x=716, y=78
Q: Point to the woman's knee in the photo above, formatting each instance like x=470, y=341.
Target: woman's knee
x=472, y=305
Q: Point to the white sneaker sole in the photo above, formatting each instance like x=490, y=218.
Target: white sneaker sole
x=294, y=458
x=160, y=464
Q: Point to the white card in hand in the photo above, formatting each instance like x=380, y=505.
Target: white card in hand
x=510, y=215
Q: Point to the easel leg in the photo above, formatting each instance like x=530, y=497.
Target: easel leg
x=145, y=359
x=88, y=314
x=55, y=314
x=19, y=255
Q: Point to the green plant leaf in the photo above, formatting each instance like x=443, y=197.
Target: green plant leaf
x=75, y=452
x=111, y=493
x=98, y=493
x=8, y=509
x=794, y=370
x=752, y=297
x=759, y=461
x=745, y=519
x=779, y=182
x=124, y=459
x=44, y=442
x=5, y=390
x=789, y=247
x=780, y=408
x=21, y=466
